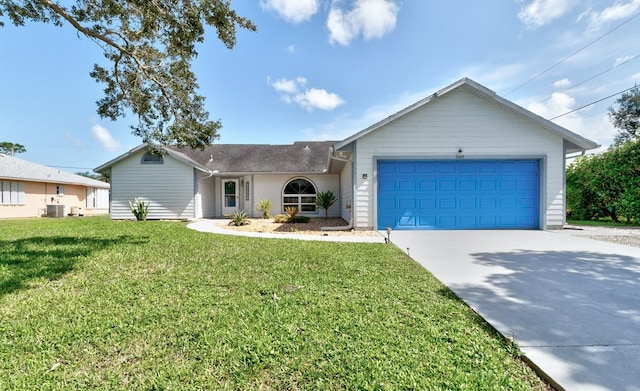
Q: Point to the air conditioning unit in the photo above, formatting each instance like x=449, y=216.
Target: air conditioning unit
x=55, y=210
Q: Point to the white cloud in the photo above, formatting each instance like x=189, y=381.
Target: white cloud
x=309, y=99
x=562, y=83
x=622, y=60
x=346, y=125
x=369, y=18
x=287, y=86
x=293, y=11
x=315, y=98
x=559, y=103
x=104, y=138
x=291, y=49
x=541, y=12
x=596, y=126
x=616, y=12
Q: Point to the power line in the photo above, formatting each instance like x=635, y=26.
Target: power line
x=591, y=104
x=573, y=54
x=596, y=75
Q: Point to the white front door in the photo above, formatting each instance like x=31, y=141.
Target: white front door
x=229, y=196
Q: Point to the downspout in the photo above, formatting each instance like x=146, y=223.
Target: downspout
x=349, y=226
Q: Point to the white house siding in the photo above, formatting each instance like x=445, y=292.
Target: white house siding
x=168, y=187
x=461, y=120
x=270, y=187
x=206, y=195
x=346, y=191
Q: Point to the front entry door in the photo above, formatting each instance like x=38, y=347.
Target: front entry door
x=229, y=196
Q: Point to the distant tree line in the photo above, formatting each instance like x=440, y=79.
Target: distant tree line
x=11, y=149
x=608, y=184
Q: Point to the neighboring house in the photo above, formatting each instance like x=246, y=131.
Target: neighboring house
x=32, y=190
x=462, y=158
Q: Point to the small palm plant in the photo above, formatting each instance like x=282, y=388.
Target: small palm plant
x=291, y=211
x=264, y=206
x=324, y=200
x=140, y=209
x=239, y=218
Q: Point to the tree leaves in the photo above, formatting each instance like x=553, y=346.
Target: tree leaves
x=607, y=184
x=149, y=45
x=627, y=117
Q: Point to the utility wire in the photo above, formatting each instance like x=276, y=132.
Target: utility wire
x=594, y=76
x=591, y=104
x=573, y=54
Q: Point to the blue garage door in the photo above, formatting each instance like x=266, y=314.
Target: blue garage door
x=454, y=194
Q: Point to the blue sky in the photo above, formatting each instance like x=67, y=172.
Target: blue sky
x=325, y=69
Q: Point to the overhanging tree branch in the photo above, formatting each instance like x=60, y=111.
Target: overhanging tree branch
x=150, y=45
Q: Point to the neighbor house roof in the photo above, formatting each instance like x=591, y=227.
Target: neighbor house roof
x=13, y=168
x=574, y=142
x=300, y=157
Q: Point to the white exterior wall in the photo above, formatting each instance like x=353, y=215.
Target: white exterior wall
x=346, y=191
x=169, y=187
x=461, y=120
x=270, y=187
x=206, y=196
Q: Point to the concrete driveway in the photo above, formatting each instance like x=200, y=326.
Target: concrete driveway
x=572, y=303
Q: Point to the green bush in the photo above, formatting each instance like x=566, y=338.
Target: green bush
x=239, y=218
x=264, y=206
x=281, y=218
x=140, y=209
x=605, y=184
x=324, y=200
x=286, y=218
x=299, y=219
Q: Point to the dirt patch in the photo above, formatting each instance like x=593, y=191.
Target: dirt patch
x=313, y=227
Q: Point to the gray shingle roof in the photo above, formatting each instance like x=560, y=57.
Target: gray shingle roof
x=299, y=157
x=13, y=168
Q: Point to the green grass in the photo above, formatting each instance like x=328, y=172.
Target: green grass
x=92, y=303
x=603, y=222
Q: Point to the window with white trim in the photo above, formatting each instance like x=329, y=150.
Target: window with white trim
x=11, y=193
x=300, y=193
x=60, y=190
x=97, y=198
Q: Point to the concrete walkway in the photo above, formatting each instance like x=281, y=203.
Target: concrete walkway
x=572, y=303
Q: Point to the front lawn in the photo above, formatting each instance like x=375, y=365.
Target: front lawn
x=91, y=303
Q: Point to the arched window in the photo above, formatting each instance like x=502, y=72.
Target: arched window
x=300, y=193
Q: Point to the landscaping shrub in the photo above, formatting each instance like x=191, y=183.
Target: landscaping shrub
x=140, y=209
x=324, y=200
x=239, y=218
x=264, y=206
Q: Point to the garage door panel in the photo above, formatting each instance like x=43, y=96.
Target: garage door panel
x=458, y=194
x=467, y=203
x=387, y=186
x=427, y=203
x=446, y=185
x=447, y=203
x=407, y=185
x=427, y=185
x=468, y=185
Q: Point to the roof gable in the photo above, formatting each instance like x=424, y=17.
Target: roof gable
x=18, y=169
x=573, y=141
